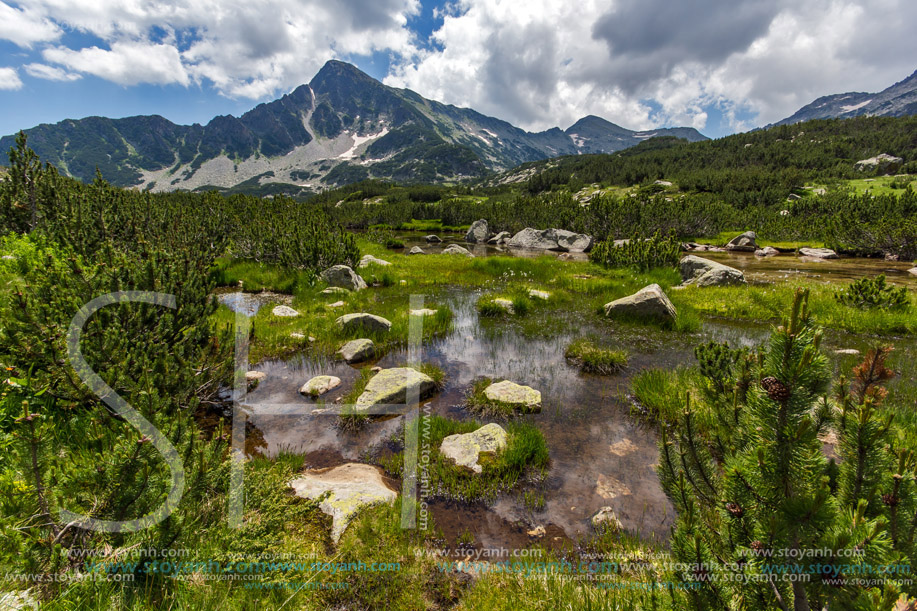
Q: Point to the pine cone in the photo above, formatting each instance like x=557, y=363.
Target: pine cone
x=756, y=545
x=735, y=509
x=890, y=500
x=775, y=389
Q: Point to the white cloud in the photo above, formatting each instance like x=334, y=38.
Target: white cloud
x=50, y=73
x=246, y=48
x=549, y=62
x=25, y=27
x=126, y=63
x=9, y=79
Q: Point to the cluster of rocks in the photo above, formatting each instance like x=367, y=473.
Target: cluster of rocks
x=536, y=239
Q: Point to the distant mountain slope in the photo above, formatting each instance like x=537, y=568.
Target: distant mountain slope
x=899, y=100
x=344, y=126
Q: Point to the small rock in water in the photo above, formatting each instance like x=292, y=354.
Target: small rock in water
x=455, y=249
x=478, y=232
x=352, y=486
x=319, y=385
x=605, y=519
x=767, y=251
x=536, y=294
x=912, y=271
x=417, y=250
x=357, y=350
x=284, y=311
x=392, y=386
x=432, y=239
x=524, y=397
x=465, y=449
x=255, y=376
x=818, y=253
x=744, y=242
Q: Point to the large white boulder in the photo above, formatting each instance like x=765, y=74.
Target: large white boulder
x=478, y=233
x=704, y=272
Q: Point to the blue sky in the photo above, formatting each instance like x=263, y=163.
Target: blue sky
x=721, y=66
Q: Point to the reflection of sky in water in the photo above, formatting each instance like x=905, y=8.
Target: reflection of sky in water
x=600, y=454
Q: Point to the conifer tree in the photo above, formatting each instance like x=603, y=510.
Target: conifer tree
x=758, y=526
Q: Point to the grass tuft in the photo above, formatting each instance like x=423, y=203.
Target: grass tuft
x=593, y=359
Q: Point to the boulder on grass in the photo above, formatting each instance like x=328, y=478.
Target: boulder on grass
x=392, y=386
x=478, y=233
x=818, y=253
x=357, y=350
x=648, y=302
x=368, y=260
x=284, y=311
x=465, y=449
x=363, y=320
x=344, y=277
x=319, y=385
x=352, y=487
x=882, y=163
x=743, y=243
x=704, y=272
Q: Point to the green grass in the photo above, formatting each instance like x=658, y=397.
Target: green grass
x=348, y=420
x=879, y=185
x=525, y=457
x=256, y=277
x=768, y=303
x=724, y=237
x=592, y=358
x=661, y=392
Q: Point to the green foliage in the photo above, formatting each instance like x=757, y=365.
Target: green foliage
x=868, y=293
x=525, y=456
x=637, y=253
x=755, y=485
x=594, y=359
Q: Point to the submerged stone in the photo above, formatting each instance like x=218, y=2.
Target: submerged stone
x=465, y=449
x=432, y=239
x=352, y=487
x=392, y=387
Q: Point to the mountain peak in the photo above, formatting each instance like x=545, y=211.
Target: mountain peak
x=336, y=71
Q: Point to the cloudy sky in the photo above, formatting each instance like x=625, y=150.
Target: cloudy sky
x=718, y=65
